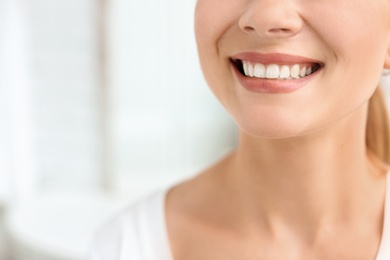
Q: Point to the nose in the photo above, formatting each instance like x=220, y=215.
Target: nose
x=271, y=18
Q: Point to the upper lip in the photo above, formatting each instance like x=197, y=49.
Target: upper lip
x=274, y=58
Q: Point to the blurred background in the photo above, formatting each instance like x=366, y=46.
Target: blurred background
x=101, y=102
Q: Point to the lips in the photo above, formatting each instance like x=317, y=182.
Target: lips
x=274, y=72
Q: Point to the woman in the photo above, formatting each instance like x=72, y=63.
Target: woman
x=308, y=178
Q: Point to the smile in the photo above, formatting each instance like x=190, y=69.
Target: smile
x=275, y=71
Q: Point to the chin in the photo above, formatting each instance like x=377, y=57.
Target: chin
x=268, y=123
x=274, y=133
x=275, y=130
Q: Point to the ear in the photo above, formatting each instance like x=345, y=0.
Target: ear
x=386, y=65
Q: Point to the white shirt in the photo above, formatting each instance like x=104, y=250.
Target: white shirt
x=139, y=232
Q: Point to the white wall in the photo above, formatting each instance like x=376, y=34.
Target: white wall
x=16, y=161
x=166, y=123
x=65, y=107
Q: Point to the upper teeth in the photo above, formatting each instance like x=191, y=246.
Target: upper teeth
x=274, y=71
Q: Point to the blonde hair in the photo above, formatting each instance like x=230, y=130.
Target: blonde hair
x=378, y=131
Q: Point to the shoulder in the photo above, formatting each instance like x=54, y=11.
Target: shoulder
x=134, y=227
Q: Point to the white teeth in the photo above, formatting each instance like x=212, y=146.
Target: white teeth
x=245, y=66
x=308, y=71
x=250, y=70
x=284, y=72
x=302, y=73
x=295, y=71
x=274, y=71
x=259, y=71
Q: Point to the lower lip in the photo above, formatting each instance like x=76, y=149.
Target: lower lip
x=273, y=86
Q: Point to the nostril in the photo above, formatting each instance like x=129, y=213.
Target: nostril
x=279, y=30
x=249, y=29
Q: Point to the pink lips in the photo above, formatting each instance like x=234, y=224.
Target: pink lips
x=272, y=85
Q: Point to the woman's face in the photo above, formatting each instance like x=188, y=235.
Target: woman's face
x=291, y=67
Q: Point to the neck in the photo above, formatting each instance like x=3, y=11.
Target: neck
x=308, y=181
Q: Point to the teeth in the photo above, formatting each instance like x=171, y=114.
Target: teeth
x=245, y=66
x=284, y=72
x=295, y=71
x=274, y=71
x=302, y=73
x=250, y=70
x=308, y=71
x=259, y=71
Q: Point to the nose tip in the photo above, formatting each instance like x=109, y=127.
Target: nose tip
x=271, y=19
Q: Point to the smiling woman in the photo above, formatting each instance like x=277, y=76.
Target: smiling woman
x=308, y=179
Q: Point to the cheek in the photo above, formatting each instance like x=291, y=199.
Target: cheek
x=359, y=34
x=213, y=18
x=356, y=43
x=206, y=30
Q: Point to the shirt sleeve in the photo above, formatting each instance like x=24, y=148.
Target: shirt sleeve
x=107, y=242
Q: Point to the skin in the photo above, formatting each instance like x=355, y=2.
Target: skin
x=300, y=184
